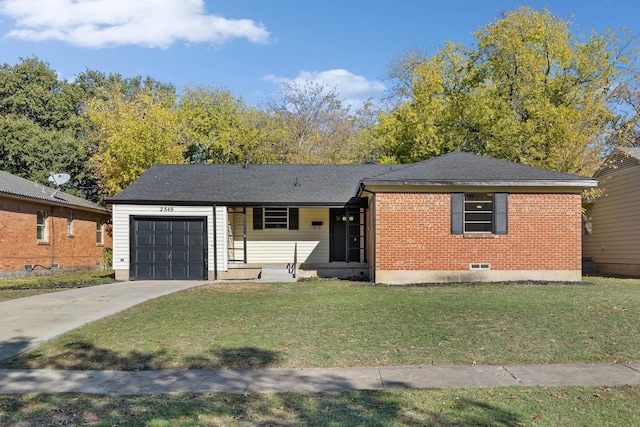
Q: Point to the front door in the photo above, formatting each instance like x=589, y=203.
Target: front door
x=345, y=235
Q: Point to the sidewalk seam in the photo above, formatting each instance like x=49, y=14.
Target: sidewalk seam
x=514, y=376
x=384, y=386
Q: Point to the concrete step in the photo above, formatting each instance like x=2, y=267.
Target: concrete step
x=276, y=274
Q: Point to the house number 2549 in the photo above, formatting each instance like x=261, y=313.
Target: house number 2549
x=166, y=209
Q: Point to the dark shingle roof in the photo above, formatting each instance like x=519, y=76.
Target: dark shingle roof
x=621, y=158
x=324, y=185
x=460, y=168
x=15, y=186
x=284, y=185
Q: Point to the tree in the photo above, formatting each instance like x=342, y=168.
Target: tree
x=42, y=128
x=313, y=125
x=626, y=131
x=531, y=92
x=137, y=129
x=216, y=127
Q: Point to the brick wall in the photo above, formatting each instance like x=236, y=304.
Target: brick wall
x=413, y=233
x=19, y=245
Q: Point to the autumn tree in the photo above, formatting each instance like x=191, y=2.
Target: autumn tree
x=313, y=125
x=530, y=91
x=218, y=127
x=626, y=131
x=138, y=126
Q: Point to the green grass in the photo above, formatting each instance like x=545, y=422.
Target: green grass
x=326, y=324
x=59, y=280
x=506, y=406
x=27, y=286
x=351, y=324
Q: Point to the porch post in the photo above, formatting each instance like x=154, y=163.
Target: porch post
x=215, y=243
x=244, y=233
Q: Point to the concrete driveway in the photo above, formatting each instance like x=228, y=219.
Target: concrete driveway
x=29, y=322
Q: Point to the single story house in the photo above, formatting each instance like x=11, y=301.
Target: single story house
x=44, y=230
x=611, y=238
x=457, y=217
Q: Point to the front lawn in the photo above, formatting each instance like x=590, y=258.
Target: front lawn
x=28, y=286
x=332, y=323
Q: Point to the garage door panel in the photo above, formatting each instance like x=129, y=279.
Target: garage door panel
x=144, y=225
x=143, y=256
x=166, y=249
x=145, y=240
x=162, y=240
x=178, y=240
x=196, y=256
x=162, y=226
x=195, y=241
x=196, y=226
x=161, y=256
x=181, y=226
x=179, y=256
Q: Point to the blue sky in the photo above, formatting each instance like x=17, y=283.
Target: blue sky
x=249, y=46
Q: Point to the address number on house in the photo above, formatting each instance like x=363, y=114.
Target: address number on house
x=166, y=208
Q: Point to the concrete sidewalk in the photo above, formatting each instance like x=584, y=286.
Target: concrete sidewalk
x=29, y=322
x=314, y=379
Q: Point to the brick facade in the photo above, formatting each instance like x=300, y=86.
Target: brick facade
x=19, y=245
x=413, y=232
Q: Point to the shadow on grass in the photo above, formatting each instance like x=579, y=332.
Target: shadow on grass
x=79, y=355
x=365, y=408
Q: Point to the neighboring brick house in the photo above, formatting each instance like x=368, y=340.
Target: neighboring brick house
x=611, y=241
x=45, y=231
x=457, y=217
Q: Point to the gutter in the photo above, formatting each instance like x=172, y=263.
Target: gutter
x=583, y=183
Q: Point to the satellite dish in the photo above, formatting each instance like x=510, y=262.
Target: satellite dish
x=58, y=179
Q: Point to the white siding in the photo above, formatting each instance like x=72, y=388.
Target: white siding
x=276, y=246
x=121, y=230
x=615, y=216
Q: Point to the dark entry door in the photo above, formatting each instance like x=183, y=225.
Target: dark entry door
x=168, y=249
x=345, y=234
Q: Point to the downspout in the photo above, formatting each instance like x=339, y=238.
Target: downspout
x=215, y=243
x=53, y=236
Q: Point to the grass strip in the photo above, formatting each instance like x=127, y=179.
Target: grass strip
x=505, y=406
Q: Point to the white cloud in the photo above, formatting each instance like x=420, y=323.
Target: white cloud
x=102, y=23
x=353, y=89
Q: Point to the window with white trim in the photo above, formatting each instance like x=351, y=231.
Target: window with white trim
x=69, y=224
x=41, y=226
x=99, y=233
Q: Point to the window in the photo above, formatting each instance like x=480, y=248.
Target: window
x=478, y=213
x=41, y=226
x=275, y=218
x=69, y=224
x=99, y=231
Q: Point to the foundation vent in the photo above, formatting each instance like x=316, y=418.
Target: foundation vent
x=479, y=266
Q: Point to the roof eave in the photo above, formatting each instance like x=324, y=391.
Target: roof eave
x=578, y=183
x=53, y=201
x=325, y=204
